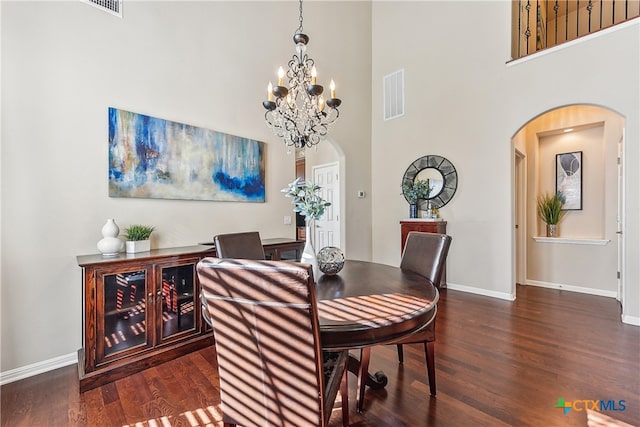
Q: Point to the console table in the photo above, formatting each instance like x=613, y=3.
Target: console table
x=425, y=226
x=140, y=310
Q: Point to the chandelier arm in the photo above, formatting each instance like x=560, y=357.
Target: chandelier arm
x=289, y=124
x=286, y=113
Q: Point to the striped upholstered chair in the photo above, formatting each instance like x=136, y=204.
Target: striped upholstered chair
x=270, y=361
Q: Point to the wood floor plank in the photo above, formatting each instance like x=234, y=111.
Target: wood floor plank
x=136, y=396
x=498, y=363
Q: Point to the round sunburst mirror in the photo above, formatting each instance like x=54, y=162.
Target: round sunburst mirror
x=442, y=177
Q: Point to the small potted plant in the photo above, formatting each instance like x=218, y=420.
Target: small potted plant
x=414, y=192
x=550, y=211
x=138, y=238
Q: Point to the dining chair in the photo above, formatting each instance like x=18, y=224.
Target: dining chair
x=426, y=255
x=247, y=245
x=270, y=361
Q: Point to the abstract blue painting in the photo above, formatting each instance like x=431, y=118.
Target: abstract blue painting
x=160, y=159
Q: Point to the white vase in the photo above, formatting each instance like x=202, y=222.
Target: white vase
x=110, y=245
x=110, y=229
x=309, y=253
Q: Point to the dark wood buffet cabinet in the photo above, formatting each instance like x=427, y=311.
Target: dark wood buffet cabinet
x=140, y=310
x=407, y=225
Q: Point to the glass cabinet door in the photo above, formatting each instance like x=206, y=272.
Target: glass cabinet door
x=125, y=311
x=178, y=300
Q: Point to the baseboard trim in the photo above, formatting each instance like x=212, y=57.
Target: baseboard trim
x=480, y=291
x=630, y=320
x=38, y=368
x=571, y=288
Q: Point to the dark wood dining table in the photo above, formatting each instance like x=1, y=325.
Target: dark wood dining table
x=368, y=304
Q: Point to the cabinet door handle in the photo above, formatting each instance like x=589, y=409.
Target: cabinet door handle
x=150, y=298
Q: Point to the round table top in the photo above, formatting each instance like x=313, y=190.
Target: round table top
x=368, y=304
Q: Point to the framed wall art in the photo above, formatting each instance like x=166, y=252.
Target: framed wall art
x=160, y=159
x=569, y=179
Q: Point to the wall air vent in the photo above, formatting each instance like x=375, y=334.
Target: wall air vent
x=114, y=7
x=393, y=95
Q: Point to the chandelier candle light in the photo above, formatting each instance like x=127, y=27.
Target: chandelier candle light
x=300, y=114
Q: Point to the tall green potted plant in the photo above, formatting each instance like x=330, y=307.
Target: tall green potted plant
x=550, y=211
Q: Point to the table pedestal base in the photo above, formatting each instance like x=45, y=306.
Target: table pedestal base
x=375, y=382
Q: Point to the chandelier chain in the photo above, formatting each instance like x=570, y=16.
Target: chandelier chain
x=300, y=29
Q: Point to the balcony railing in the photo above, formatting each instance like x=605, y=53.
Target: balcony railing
x=540, y=24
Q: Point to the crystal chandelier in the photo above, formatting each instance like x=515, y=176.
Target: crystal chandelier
x=300, y=114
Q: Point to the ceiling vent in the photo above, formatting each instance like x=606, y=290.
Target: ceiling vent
x=393, y=95
x=114, y=7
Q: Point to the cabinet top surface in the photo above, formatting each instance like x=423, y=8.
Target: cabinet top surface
x=265, y=242
x=154, y=253
x=204, y=247
x=423, y=220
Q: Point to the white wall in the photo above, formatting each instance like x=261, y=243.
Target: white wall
x=454, y=107
x=465, y=102
x=200, y=63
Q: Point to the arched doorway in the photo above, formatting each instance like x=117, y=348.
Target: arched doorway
x=586, y=257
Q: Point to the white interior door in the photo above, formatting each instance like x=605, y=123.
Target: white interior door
x=327, y=228
x=619, y=225
x=520, y=218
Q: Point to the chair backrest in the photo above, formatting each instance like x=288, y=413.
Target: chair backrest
x=246, y=245
x=426, y=254
x=265, y=324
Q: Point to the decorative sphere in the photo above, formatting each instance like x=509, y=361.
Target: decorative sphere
x=330, y=260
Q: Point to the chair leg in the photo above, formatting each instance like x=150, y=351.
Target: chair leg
x=363, y=372
x=400, y=353
x=344, y=397
x=429, y=351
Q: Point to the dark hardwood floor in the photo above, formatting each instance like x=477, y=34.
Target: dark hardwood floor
x=498, y=364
